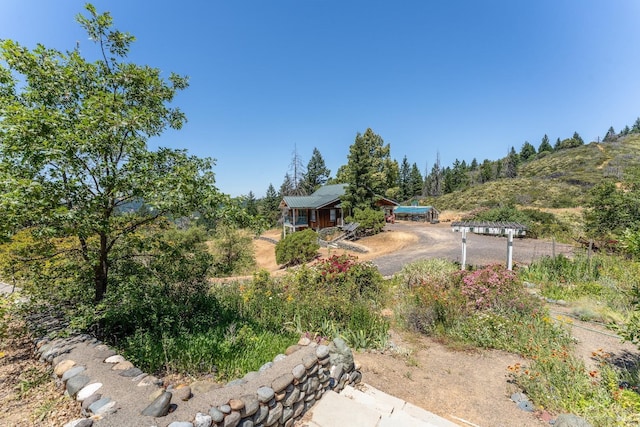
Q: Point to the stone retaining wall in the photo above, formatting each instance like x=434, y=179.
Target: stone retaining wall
x=113, y=392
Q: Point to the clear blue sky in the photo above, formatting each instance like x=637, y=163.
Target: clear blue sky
x=465, y=79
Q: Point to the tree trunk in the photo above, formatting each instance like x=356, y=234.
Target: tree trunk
x=101, y=270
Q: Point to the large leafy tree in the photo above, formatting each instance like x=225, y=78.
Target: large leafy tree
x=73, y=146
x=317, y=173
x=366, y=173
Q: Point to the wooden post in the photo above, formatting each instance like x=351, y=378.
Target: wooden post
x=464, y=248
x=510, y=250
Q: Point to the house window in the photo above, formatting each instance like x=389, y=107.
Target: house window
x=332, y=215
x=302, y=217
x=313, y=216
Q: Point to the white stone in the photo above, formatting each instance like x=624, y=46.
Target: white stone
x=114, y=359
x=87, y=391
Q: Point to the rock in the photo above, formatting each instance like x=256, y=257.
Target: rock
x=250, y=376
x=89, y=401
x=519, y=397
x=279, y=357
x=114, y=359
x=322, y=351
x=309, y=360
x=131, y=373
x=355, y=377
x=149, y=380
x=265, y=394
x=72, y=372
x=81, y=422
x=298, y=371
x=286, y=414
x=202, y=420
x=340, y=353
x=153, y=396
x=182, y=392
x=199, y=387
x=265, y=366
x=238, y=381
x=236, y=404
x=232, y=420
x=291, y=398
x=122, y=366
x=261, y=415
x=281, y=382
x=160, y=406
x=216, y=415
x=76, y=383
x=274, y=414
x=250, y=405
x=87, y=391
x=95, y=407
x=63, y=367
x=291, y=349
x=304, y=341
x=225, y=409
x=181, y=424
x=570, y=420
x=525, y=405
x=104, y=409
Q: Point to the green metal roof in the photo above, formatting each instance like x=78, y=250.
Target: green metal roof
x=321, y=197
x=412, y=210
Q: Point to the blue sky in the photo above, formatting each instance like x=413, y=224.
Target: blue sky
x=458, y=79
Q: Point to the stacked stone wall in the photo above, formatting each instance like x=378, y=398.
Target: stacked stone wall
x=112, y=392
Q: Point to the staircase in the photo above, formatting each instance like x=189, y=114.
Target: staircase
x=366, y=406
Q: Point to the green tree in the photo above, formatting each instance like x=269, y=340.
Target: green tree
x=510, y=164
x=415, y=181
x=434, y=182
x=527, y=151
x=545, y=146
x=73, y=153
x=317, y=173
x=486, y=171
x=251, y=204
x=636, y=126
x=269, y=208
x=366, y=174
x=287, y=188
x=610, y=135
x=405, y=172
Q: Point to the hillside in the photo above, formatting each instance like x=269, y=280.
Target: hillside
x=557, y=180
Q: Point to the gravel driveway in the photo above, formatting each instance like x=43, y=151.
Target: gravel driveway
x=439, y=241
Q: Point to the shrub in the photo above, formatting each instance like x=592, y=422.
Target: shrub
x=232, y=251
x=297, y=248
x=371, y=220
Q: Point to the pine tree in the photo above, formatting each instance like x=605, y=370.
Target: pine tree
x=286, y=189
x=317, y=173
x=269, y=207
x=610, y=135
x=545, y=146
x=405, y=171
x=367, y=158
x=415, y=182
x=527, y=151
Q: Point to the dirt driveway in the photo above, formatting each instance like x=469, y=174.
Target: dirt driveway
x=439, y=241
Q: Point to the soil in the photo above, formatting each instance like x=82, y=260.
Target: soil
x=468, y=387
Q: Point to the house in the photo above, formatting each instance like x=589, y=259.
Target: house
x=320, y=210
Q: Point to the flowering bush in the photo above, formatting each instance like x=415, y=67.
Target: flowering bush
x=494, y=288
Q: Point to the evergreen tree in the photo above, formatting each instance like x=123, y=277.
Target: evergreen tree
x=405, y=172
x=415, y=182
x=610, y=135
x=625, y=131
x=578, y=139
x=317, y=173
x=527, y=151
x=486, y=171
x=474, y=164
x=545, y=146
x=250, y=204
x=367, y=179
x=557, y=145
x=636, y=126
x=269, y=207
x=287, y=189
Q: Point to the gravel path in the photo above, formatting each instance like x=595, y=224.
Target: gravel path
x=439, y=241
